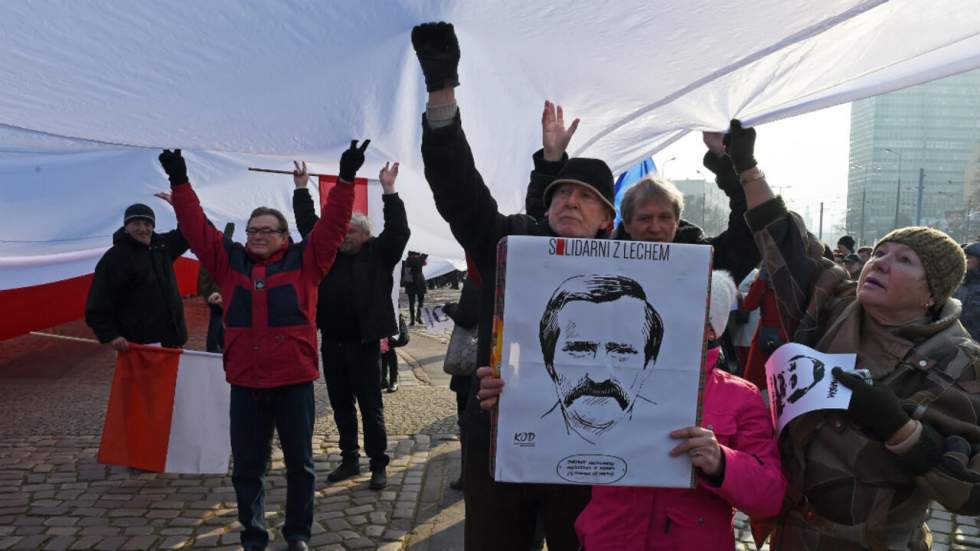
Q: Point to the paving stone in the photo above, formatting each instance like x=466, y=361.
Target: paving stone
x=30, y=542
x=337, y=524
x=62, y=530
x=971, y=541
x=359, y=543
x=174, y=542
x=140, y=542
x=86, y=542
x=359, y=510
x=59, y=543
x=324, y=538
x=940, y=526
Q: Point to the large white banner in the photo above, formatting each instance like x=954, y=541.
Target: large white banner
x=90, y=92
x=601, y=347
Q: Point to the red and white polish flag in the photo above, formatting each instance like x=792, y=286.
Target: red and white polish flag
x=168, y=412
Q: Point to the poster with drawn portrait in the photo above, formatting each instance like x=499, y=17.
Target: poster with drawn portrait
x=600, y=345
x=800, y=381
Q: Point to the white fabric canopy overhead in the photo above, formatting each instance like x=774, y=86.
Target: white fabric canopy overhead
x=89, y=91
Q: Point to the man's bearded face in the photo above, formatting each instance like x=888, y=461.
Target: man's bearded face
x=599, y=367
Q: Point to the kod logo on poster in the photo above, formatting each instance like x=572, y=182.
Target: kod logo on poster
x=524, y=439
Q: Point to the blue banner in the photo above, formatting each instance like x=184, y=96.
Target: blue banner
x=626, y=180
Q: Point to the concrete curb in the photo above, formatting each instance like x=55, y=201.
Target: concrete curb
x=417, y=370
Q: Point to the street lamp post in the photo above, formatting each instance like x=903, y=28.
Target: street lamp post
x=820, y=235
x=704, y=196
x=898, y=187
x=864, y=196
x=864, y=201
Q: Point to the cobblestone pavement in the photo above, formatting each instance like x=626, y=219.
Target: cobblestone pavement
x=55, y=496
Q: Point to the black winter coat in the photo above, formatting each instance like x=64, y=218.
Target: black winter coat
x=414, y=279
x=464, y=201
x=373, y=266
x=134, y=291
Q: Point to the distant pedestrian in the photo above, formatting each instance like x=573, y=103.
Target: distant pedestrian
x=389, y=358
x=853, y=264
x=415, y=285
x=845, y=246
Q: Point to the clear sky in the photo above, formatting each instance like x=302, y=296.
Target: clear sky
x=805, y=158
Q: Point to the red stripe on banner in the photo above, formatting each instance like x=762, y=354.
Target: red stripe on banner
x=43, y=306
x=141, y=407
x=187, y=269
x=560, y=249
x=360, y=192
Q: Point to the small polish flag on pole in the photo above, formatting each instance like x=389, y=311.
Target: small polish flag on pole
x=168, y=412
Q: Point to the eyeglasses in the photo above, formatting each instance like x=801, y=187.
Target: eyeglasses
x=262, y=231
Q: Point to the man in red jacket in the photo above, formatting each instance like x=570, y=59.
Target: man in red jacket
x=270, y=354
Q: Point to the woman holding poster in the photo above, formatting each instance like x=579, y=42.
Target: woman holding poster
x=735, y=455
x=863, y=478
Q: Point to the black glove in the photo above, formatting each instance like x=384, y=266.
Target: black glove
x=438, y=51
x=351, y=160
x=173, y=164
x=740, y=146
x=875, y=408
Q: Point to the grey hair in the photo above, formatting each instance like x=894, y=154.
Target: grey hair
x=361, y=221
x=651, y=188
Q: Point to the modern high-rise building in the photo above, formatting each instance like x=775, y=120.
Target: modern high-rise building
x=930, y=130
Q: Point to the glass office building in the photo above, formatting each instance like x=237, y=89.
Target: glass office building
x=932, y=129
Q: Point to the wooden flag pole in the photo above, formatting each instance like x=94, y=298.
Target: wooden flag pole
x=274, y=171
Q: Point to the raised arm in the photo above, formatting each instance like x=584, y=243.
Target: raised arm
x=461, y=197
x=176, y=244
x=303, y=208
x=548, y=160
x=393, y=238
x=328, y=233
x=792, y=257
x=205, y=240
x=734, y=248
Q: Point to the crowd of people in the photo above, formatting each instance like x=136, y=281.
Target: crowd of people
x=860, y=478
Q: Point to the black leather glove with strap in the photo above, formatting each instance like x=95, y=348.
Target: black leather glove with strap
x=740, y=146
x=175, y=167
x=351, y=160
x=438, y=51
x=875, y=408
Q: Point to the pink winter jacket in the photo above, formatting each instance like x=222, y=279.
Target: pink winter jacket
x=625, y=518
